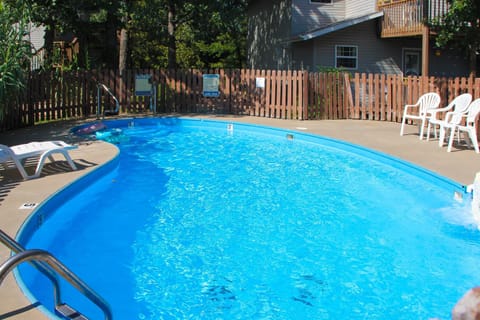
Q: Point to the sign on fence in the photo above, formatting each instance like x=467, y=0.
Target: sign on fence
x=143, y=85
x=210, y=85
x=286, y=94
x=260, y=83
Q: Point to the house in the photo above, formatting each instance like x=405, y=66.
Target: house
x=64, y=48
x=384, y=36
x=35, y=35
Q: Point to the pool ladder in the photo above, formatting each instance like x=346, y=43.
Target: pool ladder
x=48, y=265
x=110, y=112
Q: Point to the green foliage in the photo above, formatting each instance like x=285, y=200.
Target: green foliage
x=187, y=49
x=196, y=34
x=327, y=69
x=93, y=22
x=100, y=16
x=15, y=53
x=208, y=34
x=460, y=26
x=147, y=33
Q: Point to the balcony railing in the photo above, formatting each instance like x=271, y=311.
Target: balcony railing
x=407, y=17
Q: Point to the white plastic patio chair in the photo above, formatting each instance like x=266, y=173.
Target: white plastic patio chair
x=469, y=127
x=420, y=110
x=459, y=104
x=42, y=150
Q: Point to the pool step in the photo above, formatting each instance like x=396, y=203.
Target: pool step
x=67, y=312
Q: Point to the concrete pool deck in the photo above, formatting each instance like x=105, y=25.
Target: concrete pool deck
x=460, y=165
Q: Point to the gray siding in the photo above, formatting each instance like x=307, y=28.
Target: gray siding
x=37, y=34
x=374, y=55
x=302, y=57
x=273, y=23
x=358, y=8
x=307, y=16
x=268, y=31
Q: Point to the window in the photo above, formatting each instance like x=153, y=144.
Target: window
x=411, y=62
x=346, y=57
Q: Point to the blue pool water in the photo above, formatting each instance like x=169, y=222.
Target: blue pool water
x=196, y=221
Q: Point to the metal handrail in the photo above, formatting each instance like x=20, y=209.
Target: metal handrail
x=101, y=86
x=45, y=262
x=16, y=248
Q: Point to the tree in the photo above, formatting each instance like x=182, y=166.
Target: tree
x=123, y=46
x=93, y=22
x=15, y=52
x=188, y=34
x=220, y=33
x=460, y=27
x=148, y=33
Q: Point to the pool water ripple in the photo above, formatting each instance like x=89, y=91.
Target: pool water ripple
x=204, y=223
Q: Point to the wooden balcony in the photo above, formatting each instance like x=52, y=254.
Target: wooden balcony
x=405, y=18
x=64, y=52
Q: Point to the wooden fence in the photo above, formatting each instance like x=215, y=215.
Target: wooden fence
x=383, y=97
x=278, y=94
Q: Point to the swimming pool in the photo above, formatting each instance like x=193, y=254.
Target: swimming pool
x=202, y=219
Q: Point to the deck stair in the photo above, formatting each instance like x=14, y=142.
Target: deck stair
x=67, y=312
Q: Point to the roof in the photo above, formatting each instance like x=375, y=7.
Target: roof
x=335, y=27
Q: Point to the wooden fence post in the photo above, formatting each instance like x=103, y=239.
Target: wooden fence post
x=287, y=94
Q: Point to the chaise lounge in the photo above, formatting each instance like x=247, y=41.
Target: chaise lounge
x=42, y=150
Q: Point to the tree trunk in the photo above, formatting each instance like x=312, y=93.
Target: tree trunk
x=111, y=48
x=48, y=43
x=83, y=54
x=123, y=51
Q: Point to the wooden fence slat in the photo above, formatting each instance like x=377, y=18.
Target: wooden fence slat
x=341, y=96
x=335, y=96
x=268, y=90
x=45, y=110
x=400, y=99
x=304, y=96
x=278, y=95
x=283, y=95
x=291, y=94
x=476, y=89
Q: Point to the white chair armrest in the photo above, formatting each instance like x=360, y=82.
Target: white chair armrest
x=448, y=115
x=434, y=111
x=410, y=106
x=442, y=109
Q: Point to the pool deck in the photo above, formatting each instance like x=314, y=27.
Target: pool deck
x=460, y=165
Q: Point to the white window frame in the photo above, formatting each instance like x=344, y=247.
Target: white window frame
x=337, y=56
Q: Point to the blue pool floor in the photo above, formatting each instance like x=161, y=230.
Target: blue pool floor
x=382, y=136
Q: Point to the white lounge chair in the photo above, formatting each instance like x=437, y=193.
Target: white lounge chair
x=420, y=110
x=469, y=127
x=42, y=150
x=459, y=104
